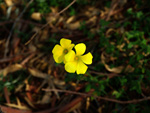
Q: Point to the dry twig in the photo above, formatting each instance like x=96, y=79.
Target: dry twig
x=102, y=98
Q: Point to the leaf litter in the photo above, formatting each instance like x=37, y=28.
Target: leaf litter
x=41, y=71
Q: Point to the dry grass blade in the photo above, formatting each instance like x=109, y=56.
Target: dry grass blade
x=18, y=106
x=10, y=69
x=5, y=109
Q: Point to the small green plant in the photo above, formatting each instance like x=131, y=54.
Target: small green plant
x=41, y=6
x=11, y=81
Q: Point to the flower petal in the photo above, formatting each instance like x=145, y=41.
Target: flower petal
x=87, y=58
x=80, y=48
x=81, y=68
x=71, y=67
x=58, y=58
x=65, y=43
x=70, y=56
x=71, y=46
x=57, y=50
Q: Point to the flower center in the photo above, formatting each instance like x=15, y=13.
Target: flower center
x=76, y=58
x=65, y=51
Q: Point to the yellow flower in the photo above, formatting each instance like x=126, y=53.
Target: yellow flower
x=75, y=62
x=59, y=51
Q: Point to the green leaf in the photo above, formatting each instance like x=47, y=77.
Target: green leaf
x=117, y=94
x=104, y=23
x=139, y=14
x=72, y=12
x=144, y=42
x=136, y=86
x=88, y=88
x=148, y=48
x=130, y=11
x=130, y=45
x=123, y=81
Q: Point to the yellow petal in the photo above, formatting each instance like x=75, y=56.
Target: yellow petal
x=80, y=48
x=65, y=43
x=70, y=47
x=71, y=67
x=87, y=58
x=58, y=58
x=57, y=50
x=81, y=68
x=70, y=56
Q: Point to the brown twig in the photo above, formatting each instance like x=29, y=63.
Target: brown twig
x=27, y=59
x=103, y=74
x=102, y=98
x=15, y=57
x=109, y=75
x=67, y=107
x=66, y=7
x=50, y=21
x=6, y=94
x=66, y=91
x=6, y=22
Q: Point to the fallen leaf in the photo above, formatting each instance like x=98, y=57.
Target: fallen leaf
x=70, y=19
x=36, y=16
x=118, y=69
x=44, y=35
x=110, y=31
x=92, y=21
x=91, y=11
x=54, y=9
x=9, y=2
x=129, y=69
x=73, y=26
x=120, y=47
x=37, y=73
x=46, y=98
x=87, y=103
x=100, y=109
x=10, y=69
